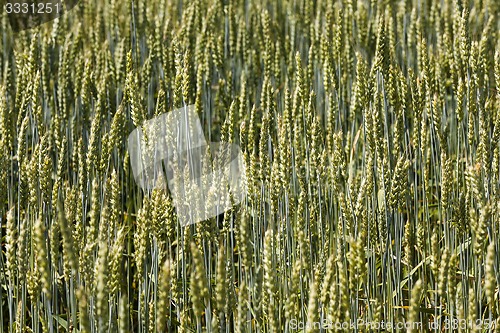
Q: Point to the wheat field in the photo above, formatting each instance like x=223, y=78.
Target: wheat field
x=370, y=132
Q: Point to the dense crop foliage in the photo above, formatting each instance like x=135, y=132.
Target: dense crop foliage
x=371, y=135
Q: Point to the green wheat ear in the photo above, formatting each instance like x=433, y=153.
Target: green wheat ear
x=198, y=291
x=414, y=313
